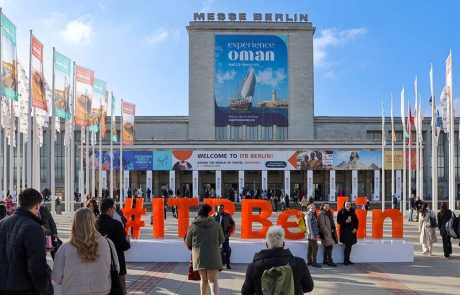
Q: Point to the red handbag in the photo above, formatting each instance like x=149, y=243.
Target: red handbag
x=193, y=275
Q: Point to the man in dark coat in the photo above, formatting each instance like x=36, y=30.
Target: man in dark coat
x=228, y=225
x=276, y=256
x=113, y=230
x=23, y=268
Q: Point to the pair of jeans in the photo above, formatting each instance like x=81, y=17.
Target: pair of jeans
x=312, y=251
x=411, y=213
x=446, y=245
x=226, y=251
x=347, y=252
x=327, y=254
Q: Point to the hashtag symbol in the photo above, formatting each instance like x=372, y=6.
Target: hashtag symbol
x=133, y=216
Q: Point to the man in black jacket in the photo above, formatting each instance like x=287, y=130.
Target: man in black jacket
x=228, y=224
x=23, y=268
x=113, y=230
x=276, y=256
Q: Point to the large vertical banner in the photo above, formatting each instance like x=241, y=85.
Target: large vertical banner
x=62, y=81
x=354, y=184
x=309, y=183
x=376, y=195
x=332, y=186
x=125, y=183
x=398, y=184
x=240, y=182
x=113, y=125
x=104, y=179
x=99, y=94
x=251, y=80
x=149, y=180
x=84, y=80
x=195, y=183
x=219, y=183
x=287, y=182
x=38, y=79
x=129, y=111
x=264, y=180
x=104, y=114
x=9, y=67
x=172, y=181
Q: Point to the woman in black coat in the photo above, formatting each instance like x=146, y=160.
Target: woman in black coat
x=348, y=227
x=444, y=215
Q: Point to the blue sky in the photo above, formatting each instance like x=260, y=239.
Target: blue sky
x=364, y=50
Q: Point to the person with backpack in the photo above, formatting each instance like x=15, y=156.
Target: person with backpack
x=444, y=215
x=427, y=226
x=327, y=233
x=312, y=231
x=275, y=269
x=348, y=227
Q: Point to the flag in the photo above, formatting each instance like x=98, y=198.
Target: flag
x=84, y=81
x=104, y=114
x=99, y=92
x=438, y=126
x=129, y=111
x=416, y=104
x=409, y=126
x=38, y=80
x=62, y=84
x=9, y=73
x=113, y=124
x=444, y=106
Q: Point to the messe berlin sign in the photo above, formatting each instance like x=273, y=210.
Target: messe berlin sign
x=257, y=17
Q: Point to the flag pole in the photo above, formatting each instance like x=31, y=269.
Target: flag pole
x=53, y=131
x=111, y=146
x=100, y=150
x=417, y=150
x=121, y=155
x=451, y=137
x=420, y=138
x=71, y=159
x=87, y=175
x=392, y=151
x=29, y=125
x=93, y=164
x=434, y=146
x=383, y=157
x=404, y=197
x=2, y=175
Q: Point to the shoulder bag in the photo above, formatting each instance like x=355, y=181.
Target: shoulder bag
x=115, y=288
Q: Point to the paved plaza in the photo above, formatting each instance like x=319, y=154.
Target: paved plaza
x=426, y=275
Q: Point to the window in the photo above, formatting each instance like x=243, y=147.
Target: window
x=374, y=135
x=267, y=132
x=281, y=132
x=236, y=132
x=252, y=132
x=221, y=132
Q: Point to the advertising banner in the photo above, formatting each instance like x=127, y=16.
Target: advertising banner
x=332, y=186
x=219, y=183
x=251, y=80
x=264, y=180
x=149, y=180
x=354, y=184
x=172, y=181
x=104, y=179
x=287, y=182
x=357, y=160
x=129, y=111
x=309, y=183
x=125, y=183
x=162, y=160
x=315, y=160
x=240, y=183
x=113, y=125
x=376, y=195
x=62, y=82
x=132, y=160
x=195, y=183
x=9, y=69
x=84, y=80
x=99, y=94
x=234, y=160
x=398, y=161
x=38, y=80
x=104, y=114
x=398, y=184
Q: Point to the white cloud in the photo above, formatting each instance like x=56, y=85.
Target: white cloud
x=222, y=77
x=206, y=6
x=78, y=31
x=270, y=77
x=161, y=35
x=332, y=38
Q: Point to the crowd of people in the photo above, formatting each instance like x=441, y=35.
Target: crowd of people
x=95, y=250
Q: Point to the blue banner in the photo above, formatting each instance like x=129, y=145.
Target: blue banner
x=132, y=160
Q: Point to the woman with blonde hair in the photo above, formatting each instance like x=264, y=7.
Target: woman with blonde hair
x=82, y=265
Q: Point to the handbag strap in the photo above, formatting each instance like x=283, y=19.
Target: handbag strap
x=112, y=264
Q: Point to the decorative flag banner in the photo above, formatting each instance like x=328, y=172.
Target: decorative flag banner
x=104, y=114
x=129, y=111
x=62, y=82
x=99, y=93
x=113, y=123
x=444, y=110
x=84, y=80
x=438, y=126
x=409, y=125
x=38, y=80
x=9, y=59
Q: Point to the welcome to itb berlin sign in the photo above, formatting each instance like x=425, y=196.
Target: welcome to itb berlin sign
x=257, y=17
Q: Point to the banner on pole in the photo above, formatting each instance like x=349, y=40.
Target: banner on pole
x=125, y=183
x=354, y=184
x=376, y=195
x=9, y=60
x=62, y=82
x=398, y=159
x=84, y=80
x=219, y=183
x=129, y=111
x=398, y=184
x=99, y=94
x=104, y=115
x=332, y=186
x=309, y=183
x=38, y=80
x=240, y=182
x=149, y=180
x=195, y=183
x=172, y=181
x=104, y=179
x=264, y=180
x=113, y=125
x=287, y=182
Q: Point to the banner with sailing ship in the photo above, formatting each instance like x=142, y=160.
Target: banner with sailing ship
x=251, y=80
x=9, y=59
x=99, y=94
x=129, y=111
x=62, y=82
x=84, y=80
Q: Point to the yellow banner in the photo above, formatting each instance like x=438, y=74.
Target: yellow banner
x=398, y=161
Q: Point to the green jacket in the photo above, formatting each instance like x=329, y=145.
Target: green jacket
x=278, y=281
x=205, y=236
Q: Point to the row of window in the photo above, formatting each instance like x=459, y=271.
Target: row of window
x=377, y=135
x=252, y=132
